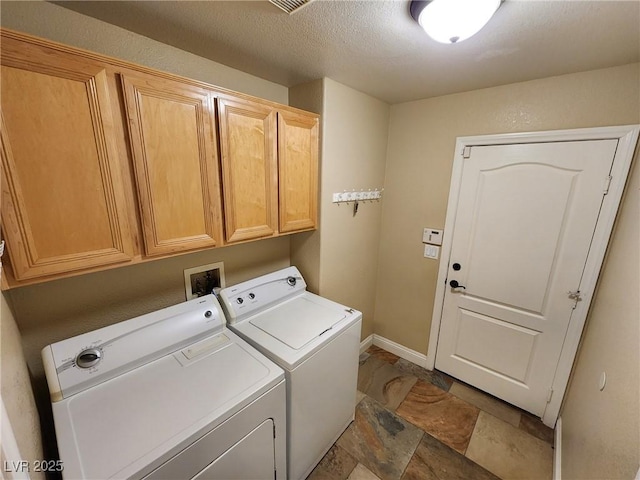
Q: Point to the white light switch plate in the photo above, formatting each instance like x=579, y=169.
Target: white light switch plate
x=431, y=251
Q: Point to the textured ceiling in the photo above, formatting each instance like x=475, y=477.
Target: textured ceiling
x=374, y=46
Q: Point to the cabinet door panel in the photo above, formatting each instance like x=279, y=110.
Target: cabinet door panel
x=63, y=196
x=298, y=171
x=173, y=144
x=248, y=150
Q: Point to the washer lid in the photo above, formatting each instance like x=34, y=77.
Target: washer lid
x=298, y=321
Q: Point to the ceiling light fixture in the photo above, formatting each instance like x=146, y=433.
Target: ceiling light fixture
x=451, y=21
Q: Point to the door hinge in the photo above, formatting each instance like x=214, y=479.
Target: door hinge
x=576, y=297
x=466, y=152
x=607, y=184
x=550, y=395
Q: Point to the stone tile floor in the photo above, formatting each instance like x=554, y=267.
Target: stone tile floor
x=413, y=424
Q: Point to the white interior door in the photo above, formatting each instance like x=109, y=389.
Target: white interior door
x=524, y=224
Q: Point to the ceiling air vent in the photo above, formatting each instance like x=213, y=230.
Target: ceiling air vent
x=290, y=6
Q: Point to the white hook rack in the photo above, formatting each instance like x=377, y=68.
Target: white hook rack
x=358, y=196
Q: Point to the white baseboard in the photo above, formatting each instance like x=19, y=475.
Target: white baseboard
x=557, y=450
x=395, y=348
x=366, y=343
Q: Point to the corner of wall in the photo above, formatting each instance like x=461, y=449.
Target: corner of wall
x=305, y=247
x=355, y=128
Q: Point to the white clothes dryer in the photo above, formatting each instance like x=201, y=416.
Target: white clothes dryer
x=171, y=394
x=317, y=342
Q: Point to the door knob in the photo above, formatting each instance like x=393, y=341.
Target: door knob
x=455, y=284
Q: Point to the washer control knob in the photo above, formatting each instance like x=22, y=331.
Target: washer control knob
x=208, y=313
x=89, y=357
x=240, y=300
x=252, y=296
x=291, y=281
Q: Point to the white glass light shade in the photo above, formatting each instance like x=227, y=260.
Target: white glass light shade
x=451, y=21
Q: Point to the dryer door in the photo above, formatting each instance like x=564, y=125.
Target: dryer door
x=251, y=457
x=249, y=445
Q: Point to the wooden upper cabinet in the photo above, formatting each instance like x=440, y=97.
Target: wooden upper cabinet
x=83, y=137
x=249, y=168
x=172, y=134
x=298, y=170
x=63, y=206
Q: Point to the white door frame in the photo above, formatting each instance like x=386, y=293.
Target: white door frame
x=627, y=136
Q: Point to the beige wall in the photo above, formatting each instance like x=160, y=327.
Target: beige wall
x=422, y=137
x=601, y=429
x=16, y=393
x=354, y=145
x=56, y=23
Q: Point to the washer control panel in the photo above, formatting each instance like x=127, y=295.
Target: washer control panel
x=248, y=298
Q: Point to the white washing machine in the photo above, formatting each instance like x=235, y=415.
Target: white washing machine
x=317, y=342
x=172, y=394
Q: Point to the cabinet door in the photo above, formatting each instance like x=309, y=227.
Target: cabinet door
x=298, y=171
x=249, y=169
x=63, y=196
x=171, y=128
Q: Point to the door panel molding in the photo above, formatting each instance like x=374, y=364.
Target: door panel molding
x=520, y=343
x=627, y=136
